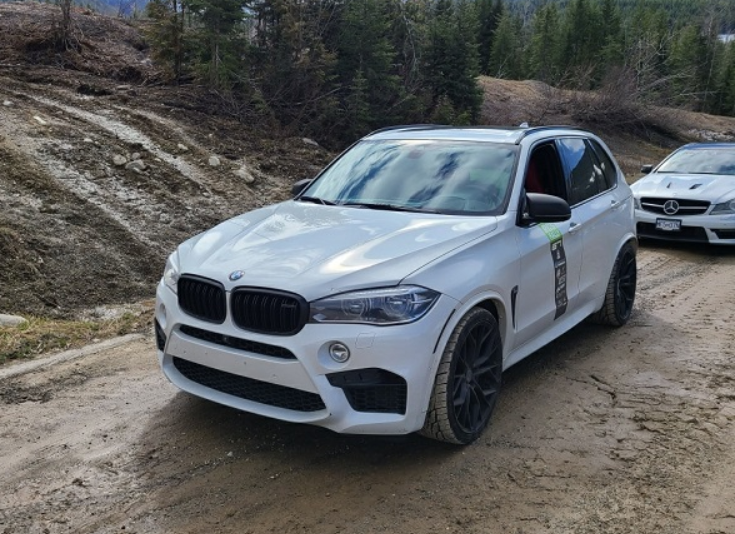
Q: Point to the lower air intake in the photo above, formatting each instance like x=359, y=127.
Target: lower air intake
x=249, y=388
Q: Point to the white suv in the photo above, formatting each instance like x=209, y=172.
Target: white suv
x=389, y=295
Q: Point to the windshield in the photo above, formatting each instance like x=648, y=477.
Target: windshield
x=701, y=161
x=433, y=176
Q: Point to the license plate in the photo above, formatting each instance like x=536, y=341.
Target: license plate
x=668, y=225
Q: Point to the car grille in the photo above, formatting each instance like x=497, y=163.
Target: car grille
x=687, y=233
x=686, y=207
x=268, y=312
x=249, y=388
x=238, y=343
x=202, y=298
x=372, y=390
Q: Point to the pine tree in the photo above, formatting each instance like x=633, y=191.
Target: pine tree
x=166, y=34
x=581, y=43
x=216, y=41
x=506, y=52
x=365, y=53
x=451, y=58
x=488, y=15
x=544, y=50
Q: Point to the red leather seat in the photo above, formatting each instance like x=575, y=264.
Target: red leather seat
x=533, y=181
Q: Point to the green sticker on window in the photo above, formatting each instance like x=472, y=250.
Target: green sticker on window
x=551, y=231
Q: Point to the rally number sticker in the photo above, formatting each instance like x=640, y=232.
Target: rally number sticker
x=559, y=260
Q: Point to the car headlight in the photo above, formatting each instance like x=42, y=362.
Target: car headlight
x=725, y=207
x=171, y=272
x=390, y=306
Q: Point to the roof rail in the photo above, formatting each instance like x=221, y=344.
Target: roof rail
x=533, y=129
x=409, y=127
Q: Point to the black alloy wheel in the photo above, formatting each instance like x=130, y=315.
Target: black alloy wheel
x=626, y=284
x=468, y=380
x=620, y=294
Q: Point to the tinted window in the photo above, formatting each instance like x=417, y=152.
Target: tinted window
x=585, y=176
x=606, y=164
x=443, y=176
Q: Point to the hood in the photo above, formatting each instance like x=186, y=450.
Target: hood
x=708, y=187
x=316, y=250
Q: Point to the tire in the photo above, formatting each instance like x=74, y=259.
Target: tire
x=467, y=381
x=620, y=294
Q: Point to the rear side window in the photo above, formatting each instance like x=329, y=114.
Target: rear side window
x=606, y=164
x=586, y=178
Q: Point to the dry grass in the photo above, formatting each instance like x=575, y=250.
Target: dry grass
x=39, y=336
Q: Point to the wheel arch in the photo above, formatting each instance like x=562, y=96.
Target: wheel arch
x=493, y=302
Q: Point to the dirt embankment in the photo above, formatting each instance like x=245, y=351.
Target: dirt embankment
x=101, y=178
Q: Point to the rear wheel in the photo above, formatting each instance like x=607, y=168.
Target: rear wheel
x=467, y=381
x=620, y=294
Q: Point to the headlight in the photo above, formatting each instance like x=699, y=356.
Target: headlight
x=171, y=272
x=725, y=207
x=397, y=305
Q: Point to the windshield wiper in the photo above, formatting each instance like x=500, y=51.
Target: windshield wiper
x=388, y=207
x=317, y=200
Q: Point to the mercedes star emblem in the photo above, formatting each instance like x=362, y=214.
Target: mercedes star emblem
x=671, y=207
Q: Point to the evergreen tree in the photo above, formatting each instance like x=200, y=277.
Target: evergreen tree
x=218, y=52
x=544, y=50
x=506, y=53
x=166, y=34
x=451, y=58
x=488, y=14
x=581, y=43
x=367, y=59
x=611, y=33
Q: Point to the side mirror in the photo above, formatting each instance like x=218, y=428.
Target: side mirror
x=299, y=186
x=645, y=169
x=542, y=208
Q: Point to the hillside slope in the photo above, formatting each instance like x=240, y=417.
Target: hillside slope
x=100, y=180
x=103, y=170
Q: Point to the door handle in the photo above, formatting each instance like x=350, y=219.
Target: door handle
x=615, y=204
x=574, y=227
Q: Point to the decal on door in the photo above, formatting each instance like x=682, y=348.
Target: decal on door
x=559, y=259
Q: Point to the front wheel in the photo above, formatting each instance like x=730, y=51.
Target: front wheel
x=620, y=294
x=467, y=381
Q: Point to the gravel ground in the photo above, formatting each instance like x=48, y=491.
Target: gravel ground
x=624, y=430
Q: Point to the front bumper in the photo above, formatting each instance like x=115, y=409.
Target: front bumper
x=714, y=229
x=293, y=376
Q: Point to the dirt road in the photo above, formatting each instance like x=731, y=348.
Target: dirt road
x=605, y=431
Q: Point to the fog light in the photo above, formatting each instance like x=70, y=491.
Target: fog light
x=339, y=352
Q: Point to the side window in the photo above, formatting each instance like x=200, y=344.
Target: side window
x=544, y=173
x=585, y=176
x=606, y=164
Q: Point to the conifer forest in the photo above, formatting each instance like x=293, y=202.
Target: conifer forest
x=336, y=69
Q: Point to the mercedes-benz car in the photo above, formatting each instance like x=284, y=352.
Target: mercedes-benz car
x=391, y=292
x=689, y=196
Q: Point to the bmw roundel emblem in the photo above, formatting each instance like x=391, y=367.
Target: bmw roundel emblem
x=236, y=275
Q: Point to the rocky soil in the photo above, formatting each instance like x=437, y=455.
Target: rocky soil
x=101, y=178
